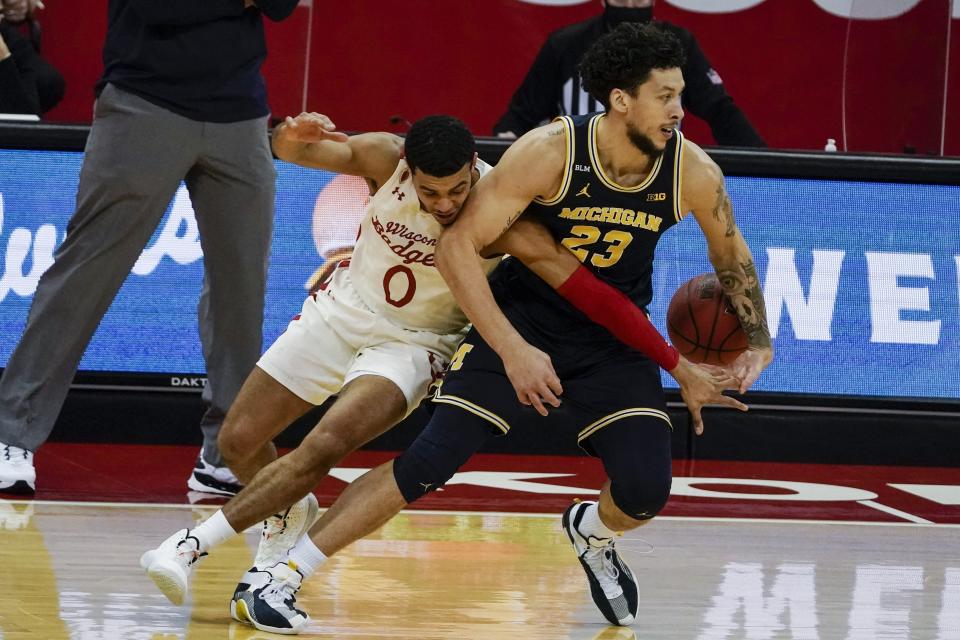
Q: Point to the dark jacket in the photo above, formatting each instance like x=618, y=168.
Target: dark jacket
x=199, y=59
x=28, y=83
x=552, y=86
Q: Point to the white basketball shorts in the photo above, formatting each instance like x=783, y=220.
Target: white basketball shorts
x=336, y=338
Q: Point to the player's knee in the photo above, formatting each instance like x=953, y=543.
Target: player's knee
x=238, y=441
x=641, y=497
x=421, y=469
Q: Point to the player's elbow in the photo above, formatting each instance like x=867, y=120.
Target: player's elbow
x=454, y=243
x=281, y=148
x=284, y=148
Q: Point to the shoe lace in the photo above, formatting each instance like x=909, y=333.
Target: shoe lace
x=278, y=592
x=185, y=553
x=273, y=544
x=601, y=561
x=10, y=452
x=274, y=526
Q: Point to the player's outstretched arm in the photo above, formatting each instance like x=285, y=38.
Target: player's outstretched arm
x=533, y=166
x=312, y=140
x=706, y=195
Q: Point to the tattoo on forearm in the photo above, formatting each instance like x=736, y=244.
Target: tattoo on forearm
x=510, y=221
x=742, y=286
x=723, y=211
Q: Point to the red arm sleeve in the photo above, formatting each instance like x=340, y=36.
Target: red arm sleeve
x=611, y=308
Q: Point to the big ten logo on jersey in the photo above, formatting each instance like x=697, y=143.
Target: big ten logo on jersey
x=869, y=10
x=656, y=197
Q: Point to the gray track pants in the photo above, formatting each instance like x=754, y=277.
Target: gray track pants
x=135, y=158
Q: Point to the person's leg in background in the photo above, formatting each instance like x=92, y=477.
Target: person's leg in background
x=232, y=190
x=135, y=157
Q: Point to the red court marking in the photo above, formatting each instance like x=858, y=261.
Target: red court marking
x=140, y=473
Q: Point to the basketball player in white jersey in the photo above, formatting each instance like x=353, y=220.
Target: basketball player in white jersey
x=377, y=332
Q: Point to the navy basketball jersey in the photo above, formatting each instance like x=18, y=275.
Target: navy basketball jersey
x=612, y=229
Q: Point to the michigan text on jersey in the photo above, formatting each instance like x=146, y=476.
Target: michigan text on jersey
x=614, y=215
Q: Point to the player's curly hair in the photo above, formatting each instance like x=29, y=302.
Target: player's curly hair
x=439, y=145
x=624, y=57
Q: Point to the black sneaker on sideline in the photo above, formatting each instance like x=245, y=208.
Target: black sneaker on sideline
x=210, y=479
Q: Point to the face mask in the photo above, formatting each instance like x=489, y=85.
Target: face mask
x=615, y=15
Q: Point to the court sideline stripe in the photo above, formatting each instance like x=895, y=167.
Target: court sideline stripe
x=441, y=512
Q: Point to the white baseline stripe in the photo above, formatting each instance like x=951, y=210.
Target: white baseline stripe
x=159, y=505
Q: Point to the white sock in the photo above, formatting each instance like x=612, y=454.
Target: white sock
x=213, y=531
x=306, y=556
x=592, y=525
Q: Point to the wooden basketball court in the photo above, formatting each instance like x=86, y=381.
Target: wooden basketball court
x=70, y=570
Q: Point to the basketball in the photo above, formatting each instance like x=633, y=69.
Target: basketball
x=702, y=324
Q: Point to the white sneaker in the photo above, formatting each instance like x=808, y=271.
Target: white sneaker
x=282, y=530
x=169, y=565
x=211, y=479
x=17, y=474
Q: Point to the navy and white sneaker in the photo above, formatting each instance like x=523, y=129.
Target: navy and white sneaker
x=170, y=564
x=269, y=601
x=280, y=532
x=17, y=474
x=212, y=479
x=613, y=585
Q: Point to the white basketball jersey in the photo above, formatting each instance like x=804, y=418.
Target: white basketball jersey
x=392, y=267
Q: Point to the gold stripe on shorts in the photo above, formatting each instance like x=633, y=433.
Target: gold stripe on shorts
x=476, y=410
x=625, y=413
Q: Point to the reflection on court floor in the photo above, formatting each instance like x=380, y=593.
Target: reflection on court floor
x=744, y=550
x=70, y=571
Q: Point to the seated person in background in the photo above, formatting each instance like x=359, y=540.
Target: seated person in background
x=18, y=11
x=28, y=83
x=552, y=85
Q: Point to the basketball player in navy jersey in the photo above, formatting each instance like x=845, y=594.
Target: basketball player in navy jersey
x=607, y=186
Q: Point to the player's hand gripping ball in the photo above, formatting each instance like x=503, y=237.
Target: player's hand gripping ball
x=702, y=323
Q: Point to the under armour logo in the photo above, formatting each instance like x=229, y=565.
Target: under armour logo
x=396, y=191
x=583, y=192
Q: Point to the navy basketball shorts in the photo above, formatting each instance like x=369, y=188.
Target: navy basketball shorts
x=601, y=387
